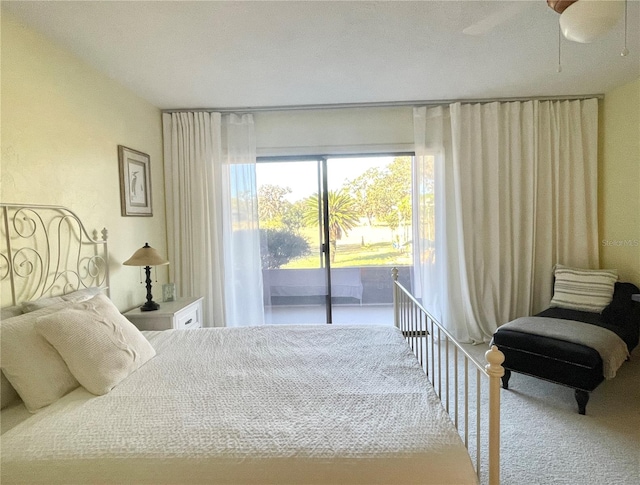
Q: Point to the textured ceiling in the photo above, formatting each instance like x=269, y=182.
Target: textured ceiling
x=251, y=54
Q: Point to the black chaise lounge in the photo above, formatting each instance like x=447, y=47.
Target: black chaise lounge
x=566, y=363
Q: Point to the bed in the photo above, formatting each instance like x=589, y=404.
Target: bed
x=271, y=404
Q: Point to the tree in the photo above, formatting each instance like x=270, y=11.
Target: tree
x=343, y=215
x=384, y=194
x=278, y=247
x=293, y=217
x=272, y=204
x=359, y=188
x=390, y=193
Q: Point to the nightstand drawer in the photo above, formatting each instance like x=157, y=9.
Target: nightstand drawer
x=190, y=318
x=181, y=314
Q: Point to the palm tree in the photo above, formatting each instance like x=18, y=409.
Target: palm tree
x=343, y=216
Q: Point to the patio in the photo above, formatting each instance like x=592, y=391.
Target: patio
x=381, y=314
x=360, y=295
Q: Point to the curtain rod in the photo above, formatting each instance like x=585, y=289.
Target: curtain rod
x=387, y=104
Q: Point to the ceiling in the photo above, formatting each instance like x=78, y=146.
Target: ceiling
x=185, y=54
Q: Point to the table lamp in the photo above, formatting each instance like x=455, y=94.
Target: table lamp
x=147, y=256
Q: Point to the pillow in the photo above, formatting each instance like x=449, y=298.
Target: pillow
x=100, y=346
x=40, y=303
x=32, y=366
x=620, y=311
x=10, y=311
x=74, y=296
x=82, y=295
x=7, y=393
x=587, y=290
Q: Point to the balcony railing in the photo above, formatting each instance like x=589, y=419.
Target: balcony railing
x=365, y=285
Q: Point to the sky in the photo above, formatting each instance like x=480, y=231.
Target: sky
x=302, y=177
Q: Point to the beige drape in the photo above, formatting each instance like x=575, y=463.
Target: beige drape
x=211, y=204
x=192, y=140
x=518, y=194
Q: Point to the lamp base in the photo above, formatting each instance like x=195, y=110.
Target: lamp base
x=149, y=306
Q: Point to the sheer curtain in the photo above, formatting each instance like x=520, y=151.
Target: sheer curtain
x=241, y=240
x=212, y=226
x=518, y=194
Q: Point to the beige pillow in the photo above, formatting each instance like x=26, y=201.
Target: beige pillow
x=587, y=290
x=100, y=346
x=8, y=394
x=40, y=303
x=74, y=297
x=10, y=312
x=32, y=366
x=82, y=294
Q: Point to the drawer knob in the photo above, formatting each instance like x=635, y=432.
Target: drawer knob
x=188, y=321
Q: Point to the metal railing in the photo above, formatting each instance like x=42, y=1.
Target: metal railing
x=432, y=343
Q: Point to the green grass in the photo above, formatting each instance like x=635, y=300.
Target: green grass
x=349, y=255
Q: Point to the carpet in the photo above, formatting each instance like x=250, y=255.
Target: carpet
x=545, y=441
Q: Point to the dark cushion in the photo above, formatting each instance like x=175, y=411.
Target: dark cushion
x=624, y=313
x=554, y=360
x=549, y=347
x=568, y=363
x=622, y=316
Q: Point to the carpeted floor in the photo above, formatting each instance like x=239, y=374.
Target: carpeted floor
x=546, y=441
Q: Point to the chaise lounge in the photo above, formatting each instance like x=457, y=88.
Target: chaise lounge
x=571, y=346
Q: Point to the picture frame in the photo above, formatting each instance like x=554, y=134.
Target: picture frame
x=135, y=182
x=168, y=292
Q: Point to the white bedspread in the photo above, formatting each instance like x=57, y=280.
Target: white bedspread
x=273, y=404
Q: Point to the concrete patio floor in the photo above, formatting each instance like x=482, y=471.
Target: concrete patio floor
x=381, y=314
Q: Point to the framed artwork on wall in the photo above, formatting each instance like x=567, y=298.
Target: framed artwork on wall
x=135, y=182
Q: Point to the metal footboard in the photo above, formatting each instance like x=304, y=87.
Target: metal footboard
x=441, y=355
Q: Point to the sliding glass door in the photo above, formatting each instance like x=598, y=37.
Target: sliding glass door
x=292, y=241
x=332, y=229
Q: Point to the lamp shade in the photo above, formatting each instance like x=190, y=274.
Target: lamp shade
x=586, y=20
x=146, y=256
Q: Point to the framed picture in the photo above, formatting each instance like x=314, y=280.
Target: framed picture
x=168, y=292
x=135, y=182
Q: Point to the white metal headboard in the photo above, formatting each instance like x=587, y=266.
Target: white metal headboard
x=46, y=251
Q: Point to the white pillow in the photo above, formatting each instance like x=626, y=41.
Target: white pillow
x=10, y=311
x=32, y=366
x=40, y=303
x=7, y=393
x=587, y=290
x=74, y=296
x=100, y=346
x=82, y=294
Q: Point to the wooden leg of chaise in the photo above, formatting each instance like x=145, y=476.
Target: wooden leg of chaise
x=582, y=398
x=505, y=379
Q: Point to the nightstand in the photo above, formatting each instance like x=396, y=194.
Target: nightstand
x=180, y=314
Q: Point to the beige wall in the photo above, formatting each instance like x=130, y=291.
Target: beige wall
x=334, y=131
x=619, y=181
x=61, y=124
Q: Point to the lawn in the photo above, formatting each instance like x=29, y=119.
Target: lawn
x=350, y=255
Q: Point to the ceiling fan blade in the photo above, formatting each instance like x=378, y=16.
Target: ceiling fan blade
x=496, y=18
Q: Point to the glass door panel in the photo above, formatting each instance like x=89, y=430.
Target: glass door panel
x=370, y=232
x=293, y=263
x=332, y=229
